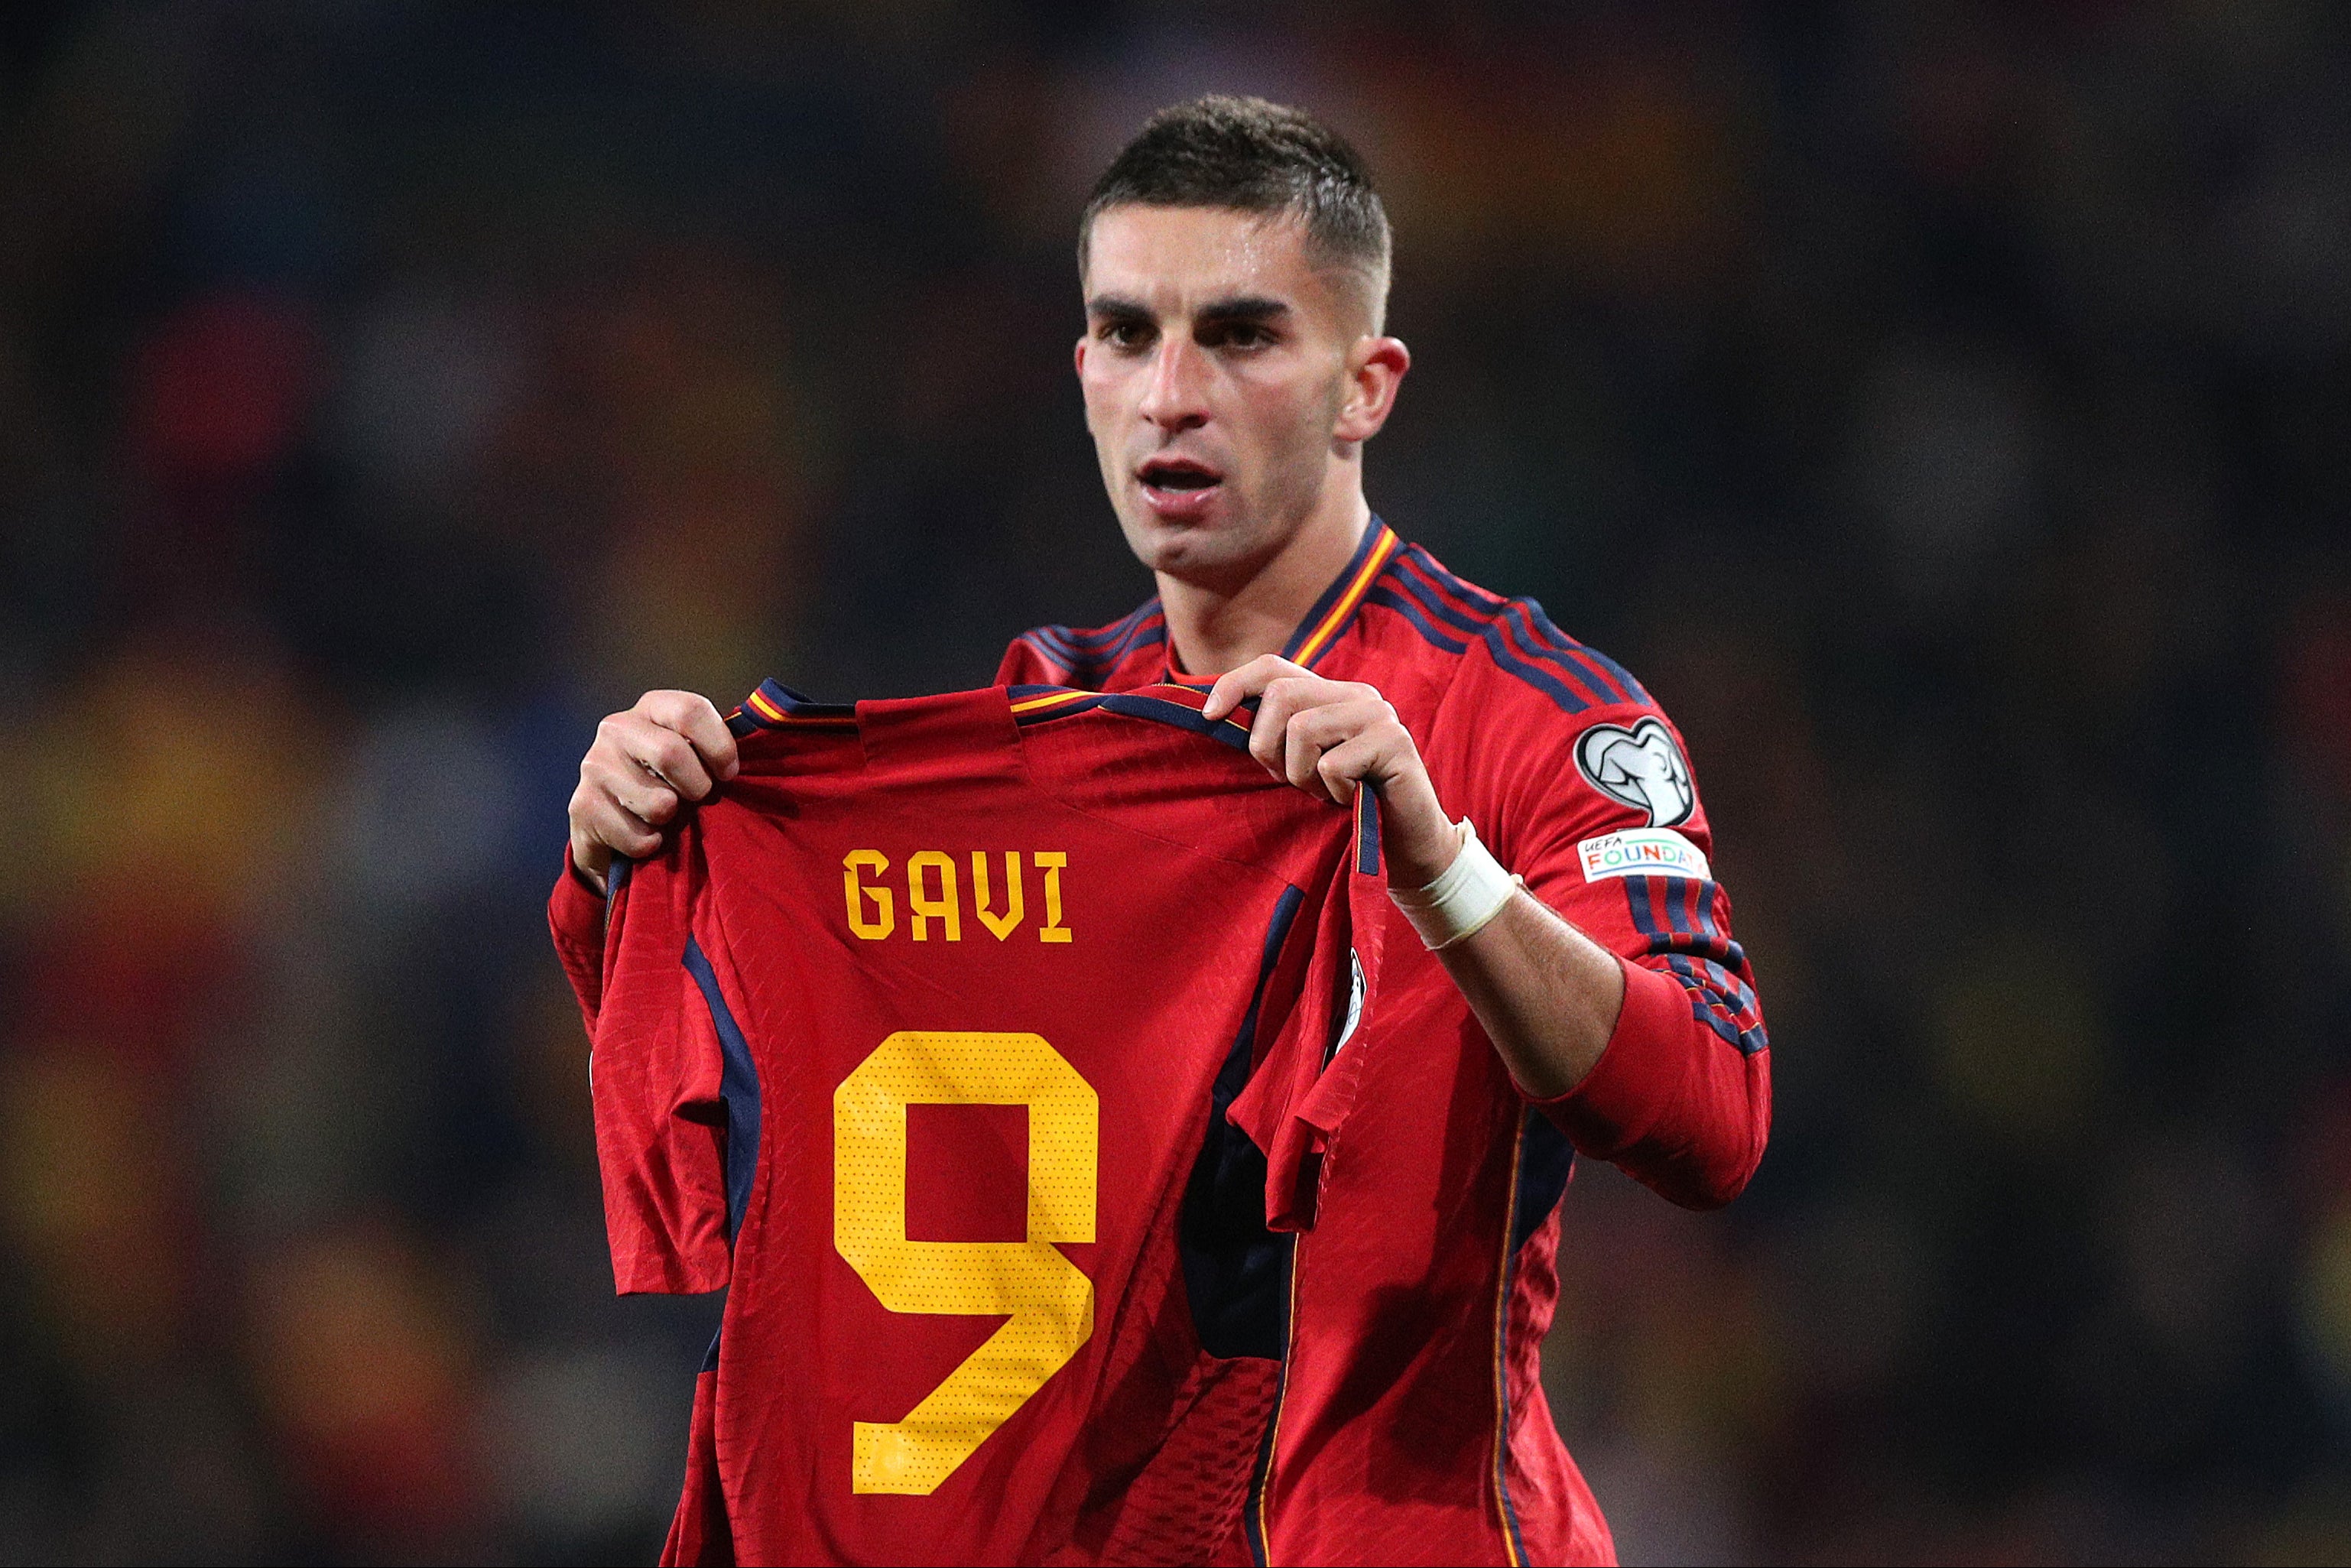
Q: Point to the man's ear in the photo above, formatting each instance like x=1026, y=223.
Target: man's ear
x=1083, y=340
x=1375, y=368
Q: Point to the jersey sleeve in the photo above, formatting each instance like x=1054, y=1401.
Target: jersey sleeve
x=1598, y=811
x=1023, y=666
x=666, y=1129
x=575, y=919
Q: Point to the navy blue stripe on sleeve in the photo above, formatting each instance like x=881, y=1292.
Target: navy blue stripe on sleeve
x=1667, y=912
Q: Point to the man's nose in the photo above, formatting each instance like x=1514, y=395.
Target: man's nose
x=1176, y=397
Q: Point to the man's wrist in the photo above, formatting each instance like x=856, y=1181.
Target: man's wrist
x=1460, y=902
x=1421, y=840
x=594, y=880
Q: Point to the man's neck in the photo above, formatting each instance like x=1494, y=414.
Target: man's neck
x=1214, y=628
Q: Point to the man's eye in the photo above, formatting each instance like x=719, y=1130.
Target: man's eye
x=1241, y=335
x=1124, y=334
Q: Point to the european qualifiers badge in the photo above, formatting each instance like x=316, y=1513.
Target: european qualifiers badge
x=1641, y=768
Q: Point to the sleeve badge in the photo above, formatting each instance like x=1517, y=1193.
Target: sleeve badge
x=1641, y=768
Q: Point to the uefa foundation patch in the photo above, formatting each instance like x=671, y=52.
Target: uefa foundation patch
x=1641, y=852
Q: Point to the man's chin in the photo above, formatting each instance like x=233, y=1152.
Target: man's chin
x=1187, y=548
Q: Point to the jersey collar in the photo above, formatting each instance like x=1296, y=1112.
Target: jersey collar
x=1324, y=625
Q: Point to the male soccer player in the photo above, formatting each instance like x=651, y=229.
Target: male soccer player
x=1563, y=971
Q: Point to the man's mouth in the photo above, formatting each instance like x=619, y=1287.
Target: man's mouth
x=1177, y=476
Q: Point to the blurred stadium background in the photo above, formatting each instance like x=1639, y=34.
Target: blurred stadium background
x=1949, y=417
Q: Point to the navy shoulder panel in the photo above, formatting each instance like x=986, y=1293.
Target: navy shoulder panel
x=1452, y=614
x=1085, y=656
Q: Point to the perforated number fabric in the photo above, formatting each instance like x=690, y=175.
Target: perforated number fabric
x=978, y=1045
x=1047, y=1302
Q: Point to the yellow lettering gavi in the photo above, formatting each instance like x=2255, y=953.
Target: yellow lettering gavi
x=935, y=894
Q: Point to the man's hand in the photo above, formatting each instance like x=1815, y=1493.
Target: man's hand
x=1547, y=994
x=1328, y=737
x=670, y=749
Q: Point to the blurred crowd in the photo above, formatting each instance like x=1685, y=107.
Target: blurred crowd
x=1945, y=411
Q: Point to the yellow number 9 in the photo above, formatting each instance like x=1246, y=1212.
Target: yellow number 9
x=1051, y=1303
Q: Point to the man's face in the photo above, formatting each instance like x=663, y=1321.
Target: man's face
x=1215, y=366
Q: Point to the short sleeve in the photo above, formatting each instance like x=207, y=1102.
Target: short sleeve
x=575, y=919
x=658, y=1073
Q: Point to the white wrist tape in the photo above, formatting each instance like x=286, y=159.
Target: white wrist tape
x=1459, y=903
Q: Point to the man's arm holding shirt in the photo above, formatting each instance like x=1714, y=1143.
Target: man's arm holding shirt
x=1618, y=999
x=646, y=767
x=1612, y=988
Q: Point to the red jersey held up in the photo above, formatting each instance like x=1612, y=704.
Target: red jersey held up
x=989, y=1047
x=1412, y=1424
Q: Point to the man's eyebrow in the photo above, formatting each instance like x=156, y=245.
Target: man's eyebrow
x=1233, y=308
x=1244, y=308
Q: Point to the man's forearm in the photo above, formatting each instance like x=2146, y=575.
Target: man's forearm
x=1548, y=995
x=1617, y=1055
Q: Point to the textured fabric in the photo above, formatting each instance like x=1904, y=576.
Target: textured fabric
x=1184, y=1505
x=920, y=1039
x=1412, y=1425
x=698, y=1530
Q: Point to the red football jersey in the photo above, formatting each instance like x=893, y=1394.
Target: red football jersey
x=987, y=1046
x=1412, y=1425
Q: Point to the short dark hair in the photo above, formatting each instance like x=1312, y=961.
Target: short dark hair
x=1250, y=156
